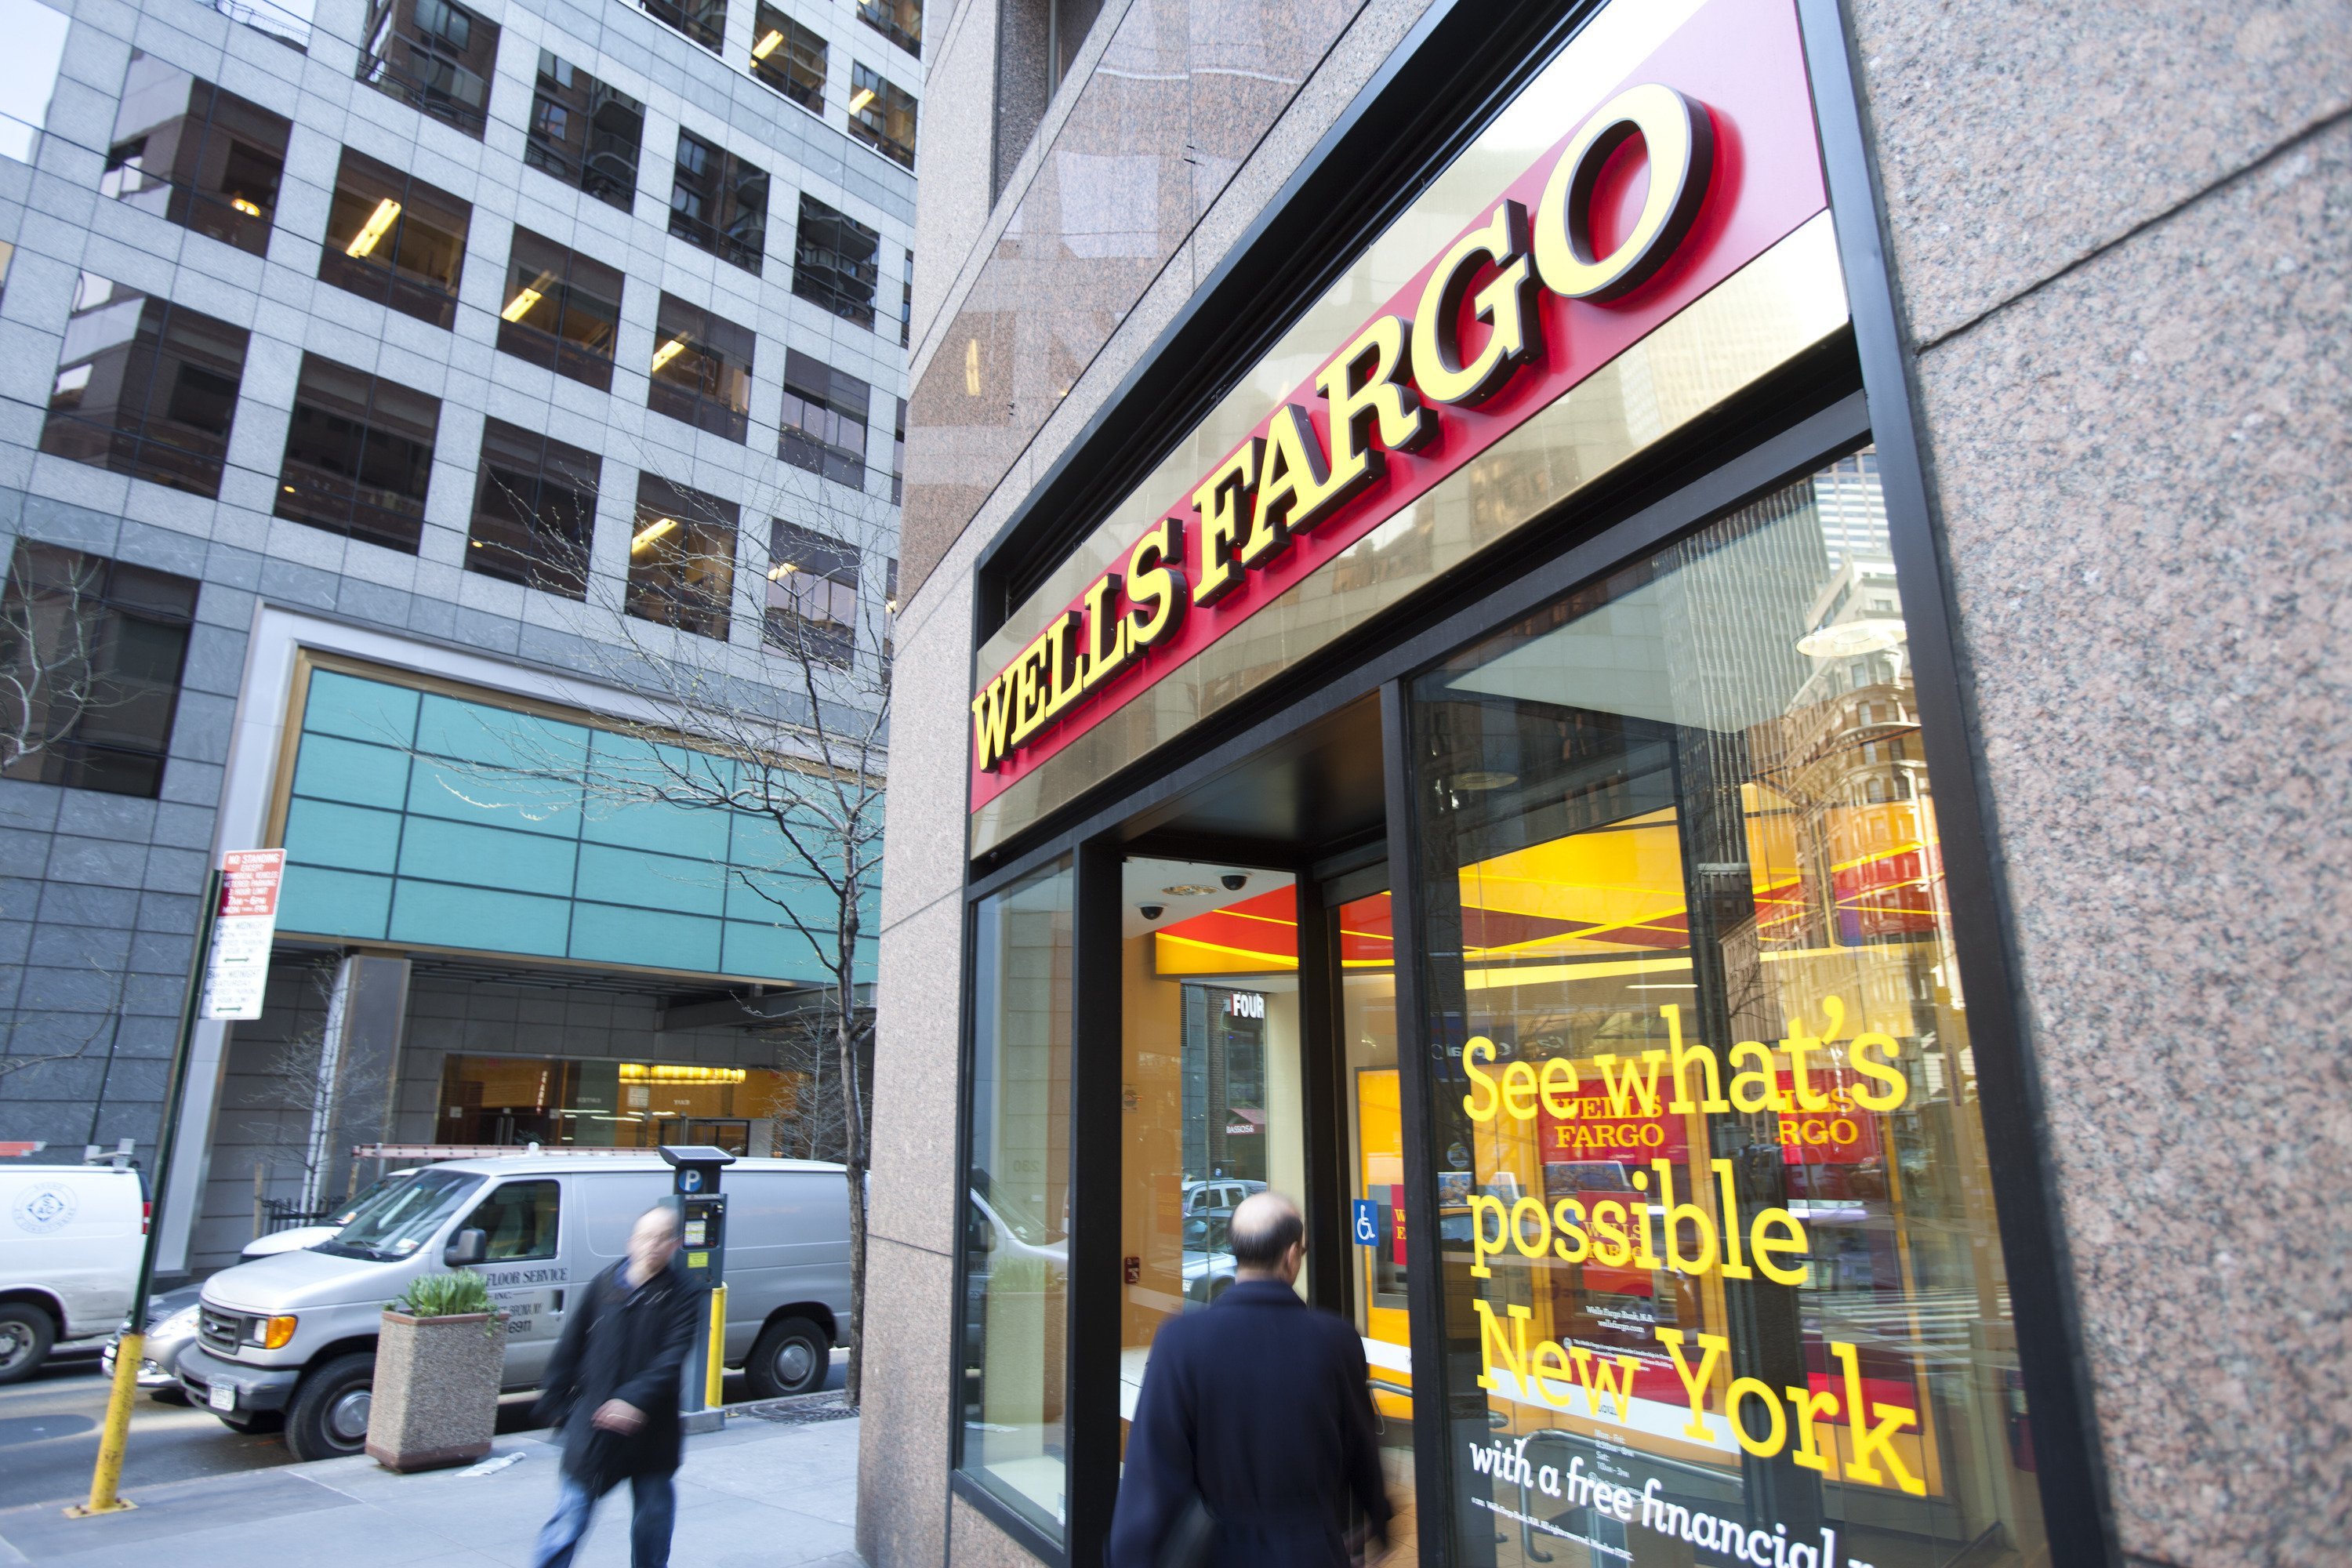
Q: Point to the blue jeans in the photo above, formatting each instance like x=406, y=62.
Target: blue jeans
x=653, y=1509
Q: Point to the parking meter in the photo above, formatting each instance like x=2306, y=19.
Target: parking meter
x=702, y=1239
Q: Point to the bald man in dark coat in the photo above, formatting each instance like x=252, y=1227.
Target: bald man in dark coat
x=1259, y=1408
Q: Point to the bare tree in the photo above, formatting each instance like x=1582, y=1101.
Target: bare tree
x=758, y=658
x=55, y=670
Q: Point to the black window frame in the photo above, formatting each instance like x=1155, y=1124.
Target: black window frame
x=704, y=21
x=528, y=525
x=718, y=201
x=167, y=448
x=436, y=56
x=890, y=18
x=795, y=44
x=562, y=284
x=688, y=385
x=879, y=111
x=823, y=407
x=602, y=158
x=695, y=516
x=378, y=272
x=898, y=469
x=130, y=606
x=799, y=559
x=221, y=171
x=821, y=263
x=344, y=504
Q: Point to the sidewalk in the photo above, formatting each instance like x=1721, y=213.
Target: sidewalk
x=776, y=1490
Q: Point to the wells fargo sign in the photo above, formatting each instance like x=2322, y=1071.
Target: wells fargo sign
x=1686, y=172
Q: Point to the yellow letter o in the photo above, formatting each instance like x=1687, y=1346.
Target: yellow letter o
x=1680, y=139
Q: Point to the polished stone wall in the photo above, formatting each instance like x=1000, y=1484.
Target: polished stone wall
x=2120, y=234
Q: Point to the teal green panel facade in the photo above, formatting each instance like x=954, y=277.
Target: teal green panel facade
x=420, y=817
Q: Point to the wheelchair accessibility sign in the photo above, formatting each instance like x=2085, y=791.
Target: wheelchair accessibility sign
x=1368, y=1223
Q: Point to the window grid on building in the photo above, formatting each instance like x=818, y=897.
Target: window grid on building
x=701, y=370
x=91, y=652
x=882, y=116
x=704, y=21
x=435, y=55
x=359, y=454
x=195, y=154
x=811, y=608
x=823, y=428
x=682, y=558
x=790, y=59
x=901, y=21
x=145, y=387
x=584, y=132
x=534, y=510
x=561, y=309
x=395, y=239
x=834, y=261
x=720, y=202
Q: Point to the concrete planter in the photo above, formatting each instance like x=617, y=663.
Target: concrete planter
x=436, y=1390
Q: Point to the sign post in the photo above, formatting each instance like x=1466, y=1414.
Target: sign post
x=227, y=975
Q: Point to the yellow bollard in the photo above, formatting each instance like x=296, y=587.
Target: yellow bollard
x=713, y=1394
x=104, y=1480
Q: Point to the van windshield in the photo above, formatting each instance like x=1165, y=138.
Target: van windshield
x=402, y=1219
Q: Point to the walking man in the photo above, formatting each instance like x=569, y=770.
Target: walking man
x=613, y=1386
x=1253, y=1436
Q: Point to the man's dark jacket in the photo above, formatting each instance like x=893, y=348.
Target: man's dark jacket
x=626, y=1344
x=1259, y=1406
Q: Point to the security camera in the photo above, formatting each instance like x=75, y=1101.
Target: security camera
x=1151, y=912
x=1234, y=881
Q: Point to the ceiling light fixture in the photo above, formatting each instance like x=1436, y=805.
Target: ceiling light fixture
x=379, y=223
x=651, y=532
x=780, y=568
x=767, y=45
x=864, y=96
x=520, y=306
x=247, y=207
x=669, y=351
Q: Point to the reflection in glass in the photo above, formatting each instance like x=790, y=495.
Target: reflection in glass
x=91, y=656
x=790, y=59
x=359, y=454
x=811, y=607
x=835, y=262
x=435, y=55
x=1679, y=824
x=823, y=426
x=535, y=512
x=701, y=370
x=682, y=558
x=561, y=309
x=1015, y=1350
x=882, y=116
x=195, y=155
x=145, y=387
x=396, y=239
x=605, y=1104
x=720, y=202
x=584, y=133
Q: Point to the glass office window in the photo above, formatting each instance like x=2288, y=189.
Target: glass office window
x=898, y=457
x=682, y=558
x=1715, y=1219
x=1015, y=1350
x=534, y=510
x=359, y=454
x=907, y=303
x=720, y=202
x=882, y=116
x=901, y=21
x=435, y=55
x=704, y=21
x=145, y=387
x=584, y=133
x=396, y=239
x=604, y=1104
x=811, y=607
x=91, y=656
x=195, y=155
x=834, y=261
x=561, y=310
x=701, y=370
x=790, y=59
x=822, y=427
x=36, y=50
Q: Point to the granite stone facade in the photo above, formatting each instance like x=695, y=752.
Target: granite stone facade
x=2118, y=236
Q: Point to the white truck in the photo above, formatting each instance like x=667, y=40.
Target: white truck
x=290, y=1338
x=69, y=1243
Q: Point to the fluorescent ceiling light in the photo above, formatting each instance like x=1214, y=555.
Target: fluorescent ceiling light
x=247, y=207
x=780, y=568
x=767, y=45
x=387, y=212
x=864, y=96
x=651, y=532
x=520, y=306
x=669, y=351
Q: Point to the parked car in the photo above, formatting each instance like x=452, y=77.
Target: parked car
x=294, y=1239
x=70, y=1238
x=1219, y=1195
x=293, y=1337
x=1208, y=1257
x=171, y=1329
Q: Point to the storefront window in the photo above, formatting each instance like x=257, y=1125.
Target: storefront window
x=1016, y=1223
x=1713, y=1218
x=615, y=1105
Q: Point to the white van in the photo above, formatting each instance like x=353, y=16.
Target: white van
x=291, y=1339
x=69, y=1243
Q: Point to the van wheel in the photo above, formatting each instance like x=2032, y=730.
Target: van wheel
x=329, y=1417
x=792, y=1357
x=26, y=1335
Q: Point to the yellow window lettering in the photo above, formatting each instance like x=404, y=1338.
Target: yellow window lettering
x=1222, y=501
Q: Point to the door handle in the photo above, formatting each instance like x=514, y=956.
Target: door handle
x=558, y=1302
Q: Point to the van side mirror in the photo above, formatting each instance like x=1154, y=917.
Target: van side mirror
x=465, y=1248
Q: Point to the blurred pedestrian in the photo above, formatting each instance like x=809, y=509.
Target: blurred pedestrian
x=613, y=1386
x=1253, y=1436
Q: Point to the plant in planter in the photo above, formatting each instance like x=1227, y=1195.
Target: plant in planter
x=438, y=1367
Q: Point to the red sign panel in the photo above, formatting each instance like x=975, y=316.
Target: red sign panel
x=1735, y=69
x=249, y=880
